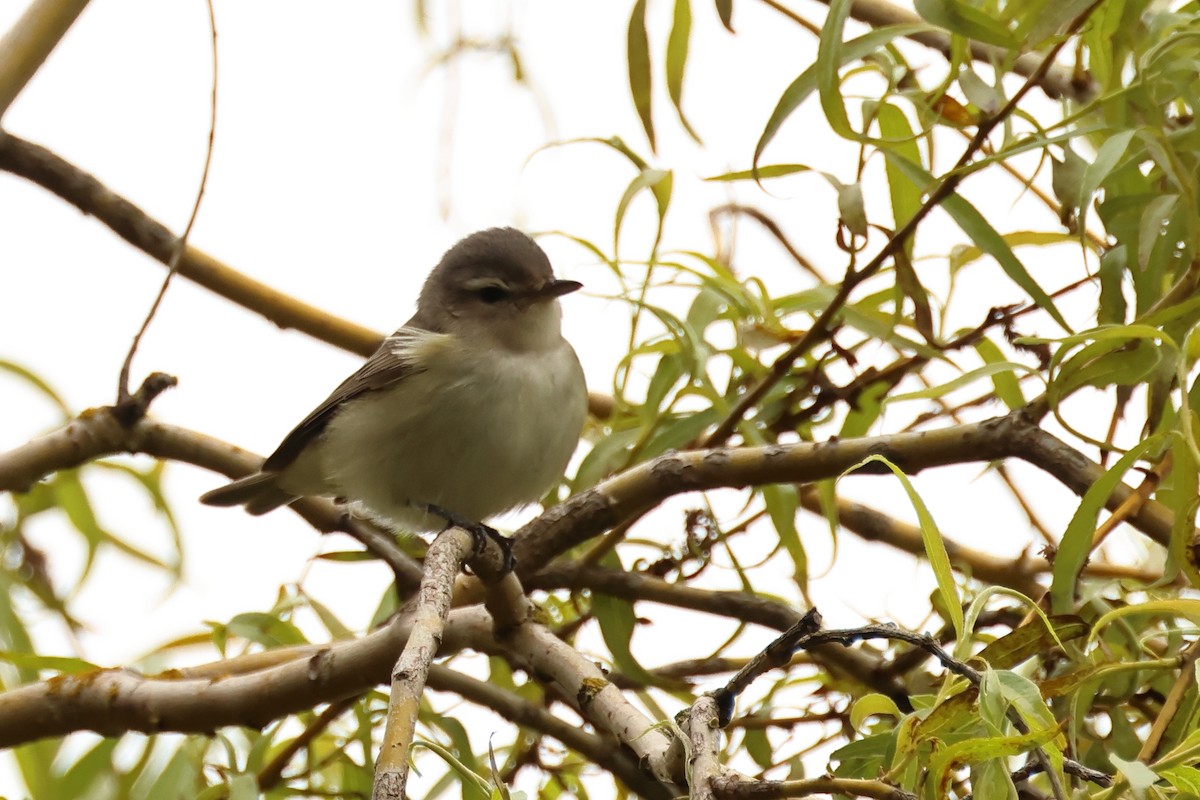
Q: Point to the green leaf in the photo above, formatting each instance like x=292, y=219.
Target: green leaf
x=829, y=63
x=617, y=624
x=1031, y=639
x=870, y=705
x=806, y=83
x=658, y=181
x=967, y=217
x=966, y=379
x=1076, y=542
x=65, y=665
x=905, y=193
x=946, y=761
x=935, y=548
x=265, y=629
x=1188, y=608
x=782, y=504
x=966, y=20
x=1005, y=383
x=1140, y=776
x=1183, y=778
x=639, y=68
x=852, y=209
x=90, y=772
x=39, y=384
x=769, y=171
x=677, y=54
x=1094, y=174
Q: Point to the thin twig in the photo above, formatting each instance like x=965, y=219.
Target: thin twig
x=946, y=187
x=181, y=244
x=272, y=773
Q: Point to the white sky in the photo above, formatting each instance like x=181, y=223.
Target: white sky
x=327, y=184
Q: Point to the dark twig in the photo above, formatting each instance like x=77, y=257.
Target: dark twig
x=271, y=774
x=132, y=407
x=806, y=634
x=824, y=321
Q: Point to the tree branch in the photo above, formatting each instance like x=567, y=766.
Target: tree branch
x=84, y=191
x=431, y=607
x=30, y=40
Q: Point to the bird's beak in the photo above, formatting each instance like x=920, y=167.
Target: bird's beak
x=555, y=288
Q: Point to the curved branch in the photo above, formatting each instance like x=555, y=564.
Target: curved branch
x=107, y=432
x=634, y=491
x=116, y=701
x=638, y=489
x=84, y=191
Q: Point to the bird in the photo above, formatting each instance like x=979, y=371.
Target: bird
x=472, y=408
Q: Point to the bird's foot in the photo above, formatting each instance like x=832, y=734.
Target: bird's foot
x=479, y=532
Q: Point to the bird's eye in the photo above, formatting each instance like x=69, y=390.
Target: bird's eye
x=493, y=294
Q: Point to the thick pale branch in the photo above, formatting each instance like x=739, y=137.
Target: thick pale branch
x=856, y=665
x=117, y=701
x=704, y=733
x=429, y=611
x=580, y=681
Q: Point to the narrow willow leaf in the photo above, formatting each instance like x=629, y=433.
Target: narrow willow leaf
x=870, y=705
x=852, y=209
x=905, y=193
x=935, y=548
x=829, y=63
x=1005, y=383
x=966, y=379
x=1076, y=542
x=782, y=504
x=677, y=54
x=725, y=12
x=39, y=384
x=966, y=20
x=639, y=68
x=1107, y=156
x=975, y=225
x=1188, y=608
x=1032, y=639
x=617, y=624
x=61, y=664
x=945, y=762
x=980, y=94
x=658, y=181
x=806, y=83
x=770, y=171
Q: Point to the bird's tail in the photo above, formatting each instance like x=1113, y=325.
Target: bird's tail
x=259, y=493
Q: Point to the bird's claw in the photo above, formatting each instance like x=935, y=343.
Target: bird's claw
x=480, y=533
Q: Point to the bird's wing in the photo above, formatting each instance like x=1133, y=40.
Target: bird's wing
x=400, y=356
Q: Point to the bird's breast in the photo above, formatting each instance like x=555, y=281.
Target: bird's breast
x=477, y=432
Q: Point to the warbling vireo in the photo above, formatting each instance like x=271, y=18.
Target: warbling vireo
x=473, y=407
